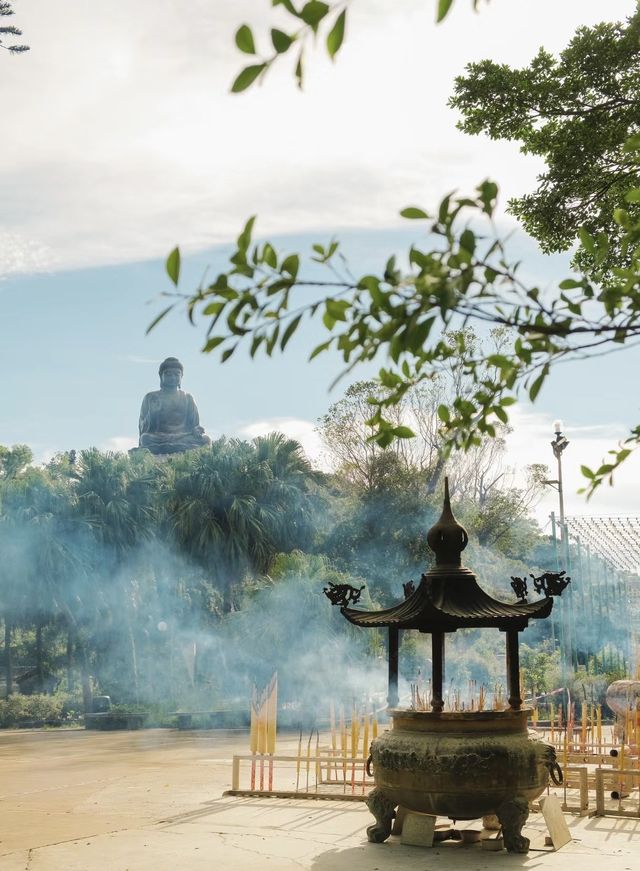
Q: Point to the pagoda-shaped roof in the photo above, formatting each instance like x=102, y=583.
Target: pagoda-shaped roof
x=449, y=596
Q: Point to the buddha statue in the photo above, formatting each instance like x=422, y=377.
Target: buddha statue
x=169, y=420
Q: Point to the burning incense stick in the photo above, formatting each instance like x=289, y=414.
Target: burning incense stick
x=334, y=746
x=298, y=759
x=308, y=758
x=343, y=748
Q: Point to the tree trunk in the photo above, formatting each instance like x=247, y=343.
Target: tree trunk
x=70, y=681
x=435, y=474
x=134, y=660
x=39, y=656
x=8, y=662
x=126, y=598
x=85, y=678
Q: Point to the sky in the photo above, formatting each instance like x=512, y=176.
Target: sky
x=121, y=139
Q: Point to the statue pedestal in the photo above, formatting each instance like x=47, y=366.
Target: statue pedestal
x=159, y=458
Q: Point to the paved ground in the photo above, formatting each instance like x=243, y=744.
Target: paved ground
x=152, y=801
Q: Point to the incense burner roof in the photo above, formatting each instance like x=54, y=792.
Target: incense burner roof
x=449, y=596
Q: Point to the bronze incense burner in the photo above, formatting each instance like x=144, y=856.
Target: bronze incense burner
x=463, y=765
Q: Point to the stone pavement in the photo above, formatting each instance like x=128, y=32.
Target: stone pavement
x=152, y=801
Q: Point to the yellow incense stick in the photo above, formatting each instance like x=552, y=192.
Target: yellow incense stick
x=365, y=740
x=272, y=715
x=253, y=733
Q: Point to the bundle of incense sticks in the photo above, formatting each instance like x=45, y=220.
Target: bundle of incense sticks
x=262, y=734
x=475, y=700
x=420, y=697
x=498, y=697
x=353, y=738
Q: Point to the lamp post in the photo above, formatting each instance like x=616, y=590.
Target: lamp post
x=558, y=445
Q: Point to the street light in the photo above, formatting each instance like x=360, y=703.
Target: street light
x=558, y=445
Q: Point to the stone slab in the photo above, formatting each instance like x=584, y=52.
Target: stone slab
x=554, y=818
x=418, y=829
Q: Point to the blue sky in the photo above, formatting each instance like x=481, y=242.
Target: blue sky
x=123, y=141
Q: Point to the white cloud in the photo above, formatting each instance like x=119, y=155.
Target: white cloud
x=123, y=138
x=120, y=444
x=21, y=254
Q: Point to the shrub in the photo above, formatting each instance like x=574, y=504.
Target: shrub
x=18, y=709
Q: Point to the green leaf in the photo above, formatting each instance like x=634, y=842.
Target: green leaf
x=227, y=353
x=443, y=209
x=313, y=12
x=281, y=40
x=468, y=241
x=632, y=143
x=288, y=5
x=336, y=35
x=158, y=318
x=173, y=266
x=587, y=240
x=255, y=344
x=403, y=432
x=212, y=343
x=444, y=414
x=291, y=328
x=273, y=338
x=299, y=70
x=621, y=217
x=337, y=308
x=291, y=264
x=633, y=196
x=488, y=191
x=269, y=256
x=244, y=239
x=319, y=349
x=413, y=213
x=244, y=40
x=247, y=77
x=443, y=8
x=587, y=472
x=569, y=284
x=537, y=384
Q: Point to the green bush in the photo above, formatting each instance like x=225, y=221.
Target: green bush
x=19, y=709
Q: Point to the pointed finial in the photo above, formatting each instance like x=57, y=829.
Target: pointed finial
x=446, y=538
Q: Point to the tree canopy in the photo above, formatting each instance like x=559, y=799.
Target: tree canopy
x=112, y=560
x=576, y=112
x=10, y=30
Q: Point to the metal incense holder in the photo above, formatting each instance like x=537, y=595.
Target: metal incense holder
x=462, y=765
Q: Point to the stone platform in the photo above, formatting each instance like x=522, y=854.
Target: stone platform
x=152, y=800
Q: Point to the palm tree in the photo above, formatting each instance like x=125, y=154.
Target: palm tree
x=117, y=498
x=291, y=495
x=232, y=507
x=14, y=562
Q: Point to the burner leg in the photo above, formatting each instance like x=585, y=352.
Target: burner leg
x=384, y=810
x=513, y=814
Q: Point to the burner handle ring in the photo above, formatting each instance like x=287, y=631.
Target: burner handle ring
x=555, y=773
